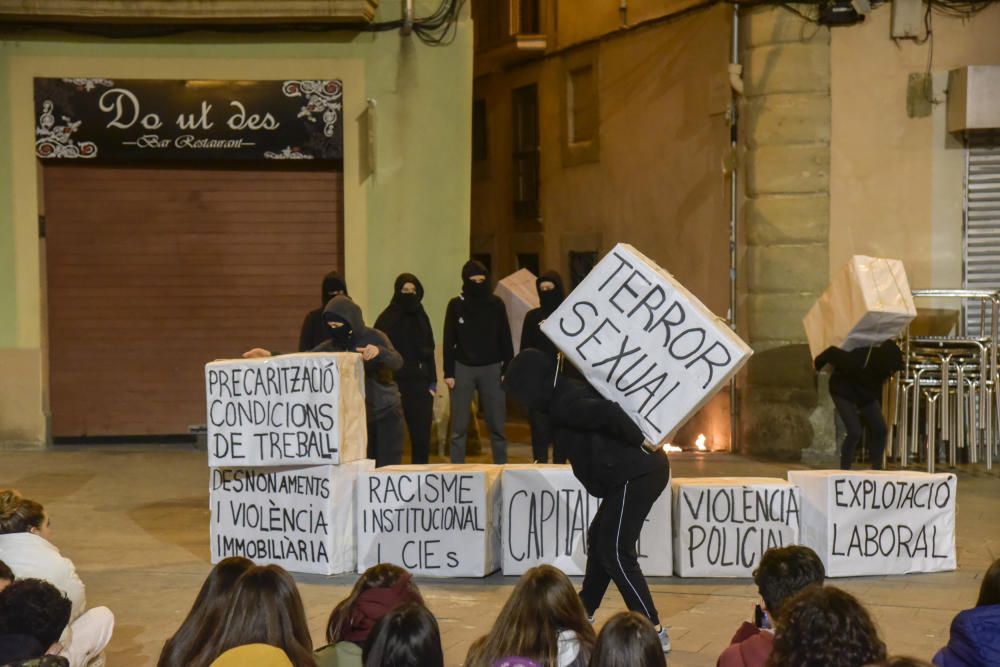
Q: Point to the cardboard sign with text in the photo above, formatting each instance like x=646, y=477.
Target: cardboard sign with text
x=546, y=513
x=439, y=520
x=645, y=342
x=301, y=518
x=878, y=521
x=722, y=525
x=519, y=295
x=293, y=409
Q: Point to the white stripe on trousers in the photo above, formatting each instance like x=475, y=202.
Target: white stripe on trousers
x=618, y=541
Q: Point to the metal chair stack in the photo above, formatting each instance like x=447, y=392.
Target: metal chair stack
x=945, y=402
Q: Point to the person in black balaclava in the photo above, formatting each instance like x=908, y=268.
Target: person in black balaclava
x=856, y=389
x=550, y=295
x=408, y=327
x=314, y=329
x=346, y=332
x=477, y=347
x=612, y=460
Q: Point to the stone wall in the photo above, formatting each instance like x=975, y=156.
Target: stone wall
x=785, y=132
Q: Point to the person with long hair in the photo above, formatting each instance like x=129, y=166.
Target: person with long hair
x=264, y=608
x=379, y=590
x=825, y=627
x=628, y=639
x=613, y=461
x=542, y=620
x=26, y=547
x=206, y=613
x=408, y=636
x=974, y=638
x=406, y=324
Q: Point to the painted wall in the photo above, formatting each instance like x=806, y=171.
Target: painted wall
x=657, y=182
x=896, y=182
x=411, y=215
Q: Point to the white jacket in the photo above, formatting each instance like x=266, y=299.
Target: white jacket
x=31, y=556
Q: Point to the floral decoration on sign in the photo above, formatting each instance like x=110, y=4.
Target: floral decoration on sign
x=288, y=153
x=323, y=98
x=90, y=84
x=57, y=140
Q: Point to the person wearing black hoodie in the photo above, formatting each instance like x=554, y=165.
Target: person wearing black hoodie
x=314, y=330
x=477, y=347
x=550, y=294
x=856, y=389
x=408, y=327
x=612, y=460
x=346, y=332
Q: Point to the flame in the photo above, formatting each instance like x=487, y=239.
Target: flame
x=671, y=448
x=700, y=442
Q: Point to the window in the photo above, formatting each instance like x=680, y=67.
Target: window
x=528, y=260
x=526, y=152
x=480, y=138
x=528, y=22
x=582, y=107
x=580, y=264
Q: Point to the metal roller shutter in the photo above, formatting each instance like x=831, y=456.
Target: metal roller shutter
x=982, y=221
x=153, y=272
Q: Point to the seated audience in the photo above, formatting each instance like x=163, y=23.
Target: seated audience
x=825, y=627
x=264, y=608
x=206, y=613
x=975, y=633
x=782, y=573
x=253, y=655
x=628, y=639
x=25, y=546
x=407, y=636
x=33, y=615
x=543, y=620
x=378, y=591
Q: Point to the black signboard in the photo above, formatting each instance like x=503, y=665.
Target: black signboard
x=148, y=119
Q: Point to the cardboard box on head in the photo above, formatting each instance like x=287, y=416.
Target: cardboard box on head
x=519, y=295
x=867, y=302
x=642, y=340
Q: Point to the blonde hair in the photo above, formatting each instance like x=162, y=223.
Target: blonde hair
x=18, y=514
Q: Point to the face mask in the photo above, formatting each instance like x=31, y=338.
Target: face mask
x=549, y=300
x=409, y=302
x=477, y=290
x=341, y=337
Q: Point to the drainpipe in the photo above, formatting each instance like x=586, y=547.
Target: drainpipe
x=407, y=27
x=736, y=84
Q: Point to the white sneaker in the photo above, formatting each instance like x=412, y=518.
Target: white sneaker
x=664, y=639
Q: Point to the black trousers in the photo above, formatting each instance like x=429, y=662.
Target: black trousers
x=541, y=437
x=385, y=437
x=611, y=554
x=418, y=408
x=852, y=414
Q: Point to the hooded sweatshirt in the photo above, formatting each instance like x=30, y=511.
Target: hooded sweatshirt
x=858, y=375
x=476, y=330
x=603, y=445
x=408, y=327
x=381, y=392
x=531, y=334
x=314, y=329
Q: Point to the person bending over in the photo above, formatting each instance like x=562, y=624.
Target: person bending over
x=856, y=388
x=314, y=330
x=611, y=459
x=975, y=633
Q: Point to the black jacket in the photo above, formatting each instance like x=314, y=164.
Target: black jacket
x=858, y=375
x=381, y=392
x=410, y=331
x=314, y=330
x=476, y=333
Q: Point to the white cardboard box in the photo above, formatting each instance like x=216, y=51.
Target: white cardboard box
x=301, y=518
x=878, y=522
x=292, y=409
x=439, y=520
x=722, y=525
x=642, y=340
x=546, y=513
x=867, y=302
x=519, y=294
